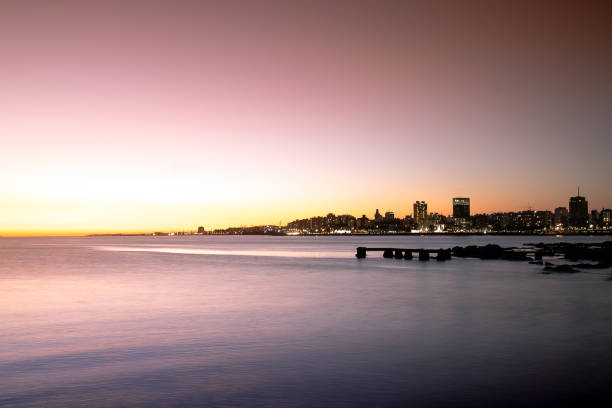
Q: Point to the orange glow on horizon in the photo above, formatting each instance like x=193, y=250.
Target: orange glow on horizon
x=31, y=219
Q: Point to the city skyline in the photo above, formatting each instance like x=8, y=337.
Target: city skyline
x=131, y=116
x=576, y=214
x=425, y=211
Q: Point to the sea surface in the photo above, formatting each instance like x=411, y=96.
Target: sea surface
x=295, y=322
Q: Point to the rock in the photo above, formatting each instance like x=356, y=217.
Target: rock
x=514, y=256
x=491, y=251
x=561, y=269
x=592, y=266
x=444, y=254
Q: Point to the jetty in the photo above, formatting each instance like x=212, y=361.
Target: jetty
x=407, y=253
x=594, y=252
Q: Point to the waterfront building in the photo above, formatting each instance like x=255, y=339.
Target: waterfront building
x=480, y=222
x=377, y=216
x=578, y=211
x=594, y=218
x=420, y=212
x=524, y=221
x=408, y=223
x=461, y=213
x=461, y=208
x=543, y=220
x=389, y=216
x=606, y=217
x=201, y=230
x=363, y=222
x=346, y=222
x=561, y=216
x=330, y=221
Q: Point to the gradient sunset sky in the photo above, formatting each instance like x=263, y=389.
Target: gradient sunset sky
x=132, y=116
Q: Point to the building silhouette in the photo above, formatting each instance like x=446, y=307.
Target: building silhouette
x=561, y=216
x=594, y=218
x=461, y=208
x=606, y=217
x=420, y=212
x=377, y=216
x=578, y=211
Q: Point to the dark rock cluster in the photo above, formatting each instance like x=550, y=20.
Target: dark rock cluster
x=600, y=254
x=490, y=251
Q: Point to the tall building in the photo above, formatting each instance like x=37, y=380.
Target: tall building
x=461, y=208
x=561, y=216
x=389, y=216
x=377, y=216
x=606, y=217
x=578, y=211
x=420, y=212
x=594, y=217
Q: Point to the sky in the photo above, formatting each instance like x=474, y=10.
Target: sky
x=153, y=115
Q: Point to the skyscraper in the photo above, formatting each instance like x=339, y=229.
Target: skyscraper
x=606, y=217
x=560, y=218
x=461, y=208
x=420, y=212
x=578, y=211
x=594, y=218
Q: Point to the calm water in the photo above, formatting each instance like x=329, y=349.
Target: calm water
x=294, y=321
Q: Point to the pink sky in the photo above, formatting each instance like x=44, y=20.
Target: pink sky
x=149, y=115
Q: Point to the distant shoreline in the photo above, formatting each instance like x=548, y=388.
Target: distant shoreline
x=592, y=233
x=436, y=234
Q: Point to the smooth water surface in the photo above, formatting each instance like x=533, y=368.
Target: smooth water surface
x=295, y=321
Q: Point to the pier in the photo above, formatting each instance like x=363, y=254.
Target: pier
x=407, y=253
x=444, y=254
x=534, y=253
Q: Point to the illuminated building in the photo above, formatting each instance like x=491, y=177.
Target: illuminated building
x=420, y=212
x=561, y=216
x=461, y=212
x=606, y=217
x=578, y=211
x=594, y=217
x=543, y=220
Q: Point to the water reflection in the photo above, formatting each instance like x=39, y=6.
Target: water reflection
x=228, y=252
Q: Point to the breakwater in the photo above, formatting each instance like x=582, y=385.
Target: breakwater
x=601, y=253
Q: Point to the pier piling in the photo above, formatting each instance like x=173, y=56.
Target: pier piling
x=361, y=252
x=423, y=255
